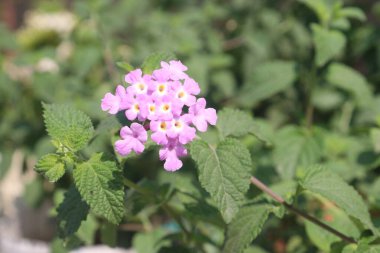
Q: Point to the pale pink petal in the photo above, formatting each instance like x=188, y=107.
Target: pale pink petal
x=210, y=115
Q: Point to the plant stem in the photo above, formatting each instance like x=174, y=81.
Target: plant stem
x=312, y=219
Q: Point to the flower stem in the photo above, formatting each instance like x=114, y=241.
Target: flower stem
x=295, y=210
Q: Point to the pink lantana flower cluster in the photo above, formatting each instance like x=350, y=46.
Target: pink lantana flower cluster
x=164, y=102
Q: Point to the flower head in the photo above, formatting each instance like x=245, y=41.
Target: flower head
x=165, y=102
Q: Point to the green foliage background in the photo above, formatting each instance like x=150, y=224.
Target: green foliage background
x=295, y=84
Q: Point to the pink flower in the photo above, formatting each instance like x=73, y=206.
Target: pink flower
x=180, y=129
x=201, y=116
x=171, y=153
x=176, y=70
x=114, y=103
x=132, y=139
x=110, y=103
x=185, y=92
x=136, y=107
x=139, y=83
x=159, y=129
x=167, y=108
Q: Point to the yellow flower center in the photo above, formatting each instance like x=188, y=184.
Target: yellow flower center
x=161, y=88
x=181, y=94
x=163, y=125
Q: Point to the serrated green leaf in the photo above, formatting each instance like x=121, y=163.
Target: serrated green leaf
x=71, y=212
x=329, y=185
x=351, y=81
x=295, y=147
x=71, y=127
x=266, y=80
x=224, y=172
x=51, y=166
x=245, y=227
x=328, y=44
x=153, y=61
x=100, y=185
x=232, y=122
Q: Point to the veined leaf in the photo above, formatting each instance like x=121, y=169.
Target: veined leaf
x=100, y=185
x=294, y=147
x=247, y=224
x=329, y=185
x=267, y=80
x=232, y=122
x=51, y=166
x=71, y=127
x=224, y=172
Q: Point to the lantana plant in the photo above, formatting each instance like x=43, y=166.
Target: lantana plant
x=161, y=104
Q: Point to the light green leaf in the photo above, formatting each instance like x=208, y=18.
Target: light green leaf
x=224, y=172
x=71, y=212
x=87, y=230
x=150, y=242
x=153, y=61
x=125, y=66
x=329, y=185
x=351, y=81
x=245, y=227
x=232, y=122
x=328, y=44
x=71, y=127
x=51, y=166
x=100, y=185
x=295, y=147
x=352, y=12
x=266, y=80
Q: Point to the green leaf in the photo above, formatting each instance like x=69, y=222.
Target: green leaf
x=71, y=212
x=329, y=185
x=71, y=127
x=328, y=44
x=51, y=166
x=232, y=122
x=351, y=81
x=295, y=147
x=125, y=66
x=266, y=80
x=100, y=185
x=335, y=218
x=224, y=172
x=245, y=227
x=150, y=242
x=352, y=12
x=87, y=230
x=153, y=61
